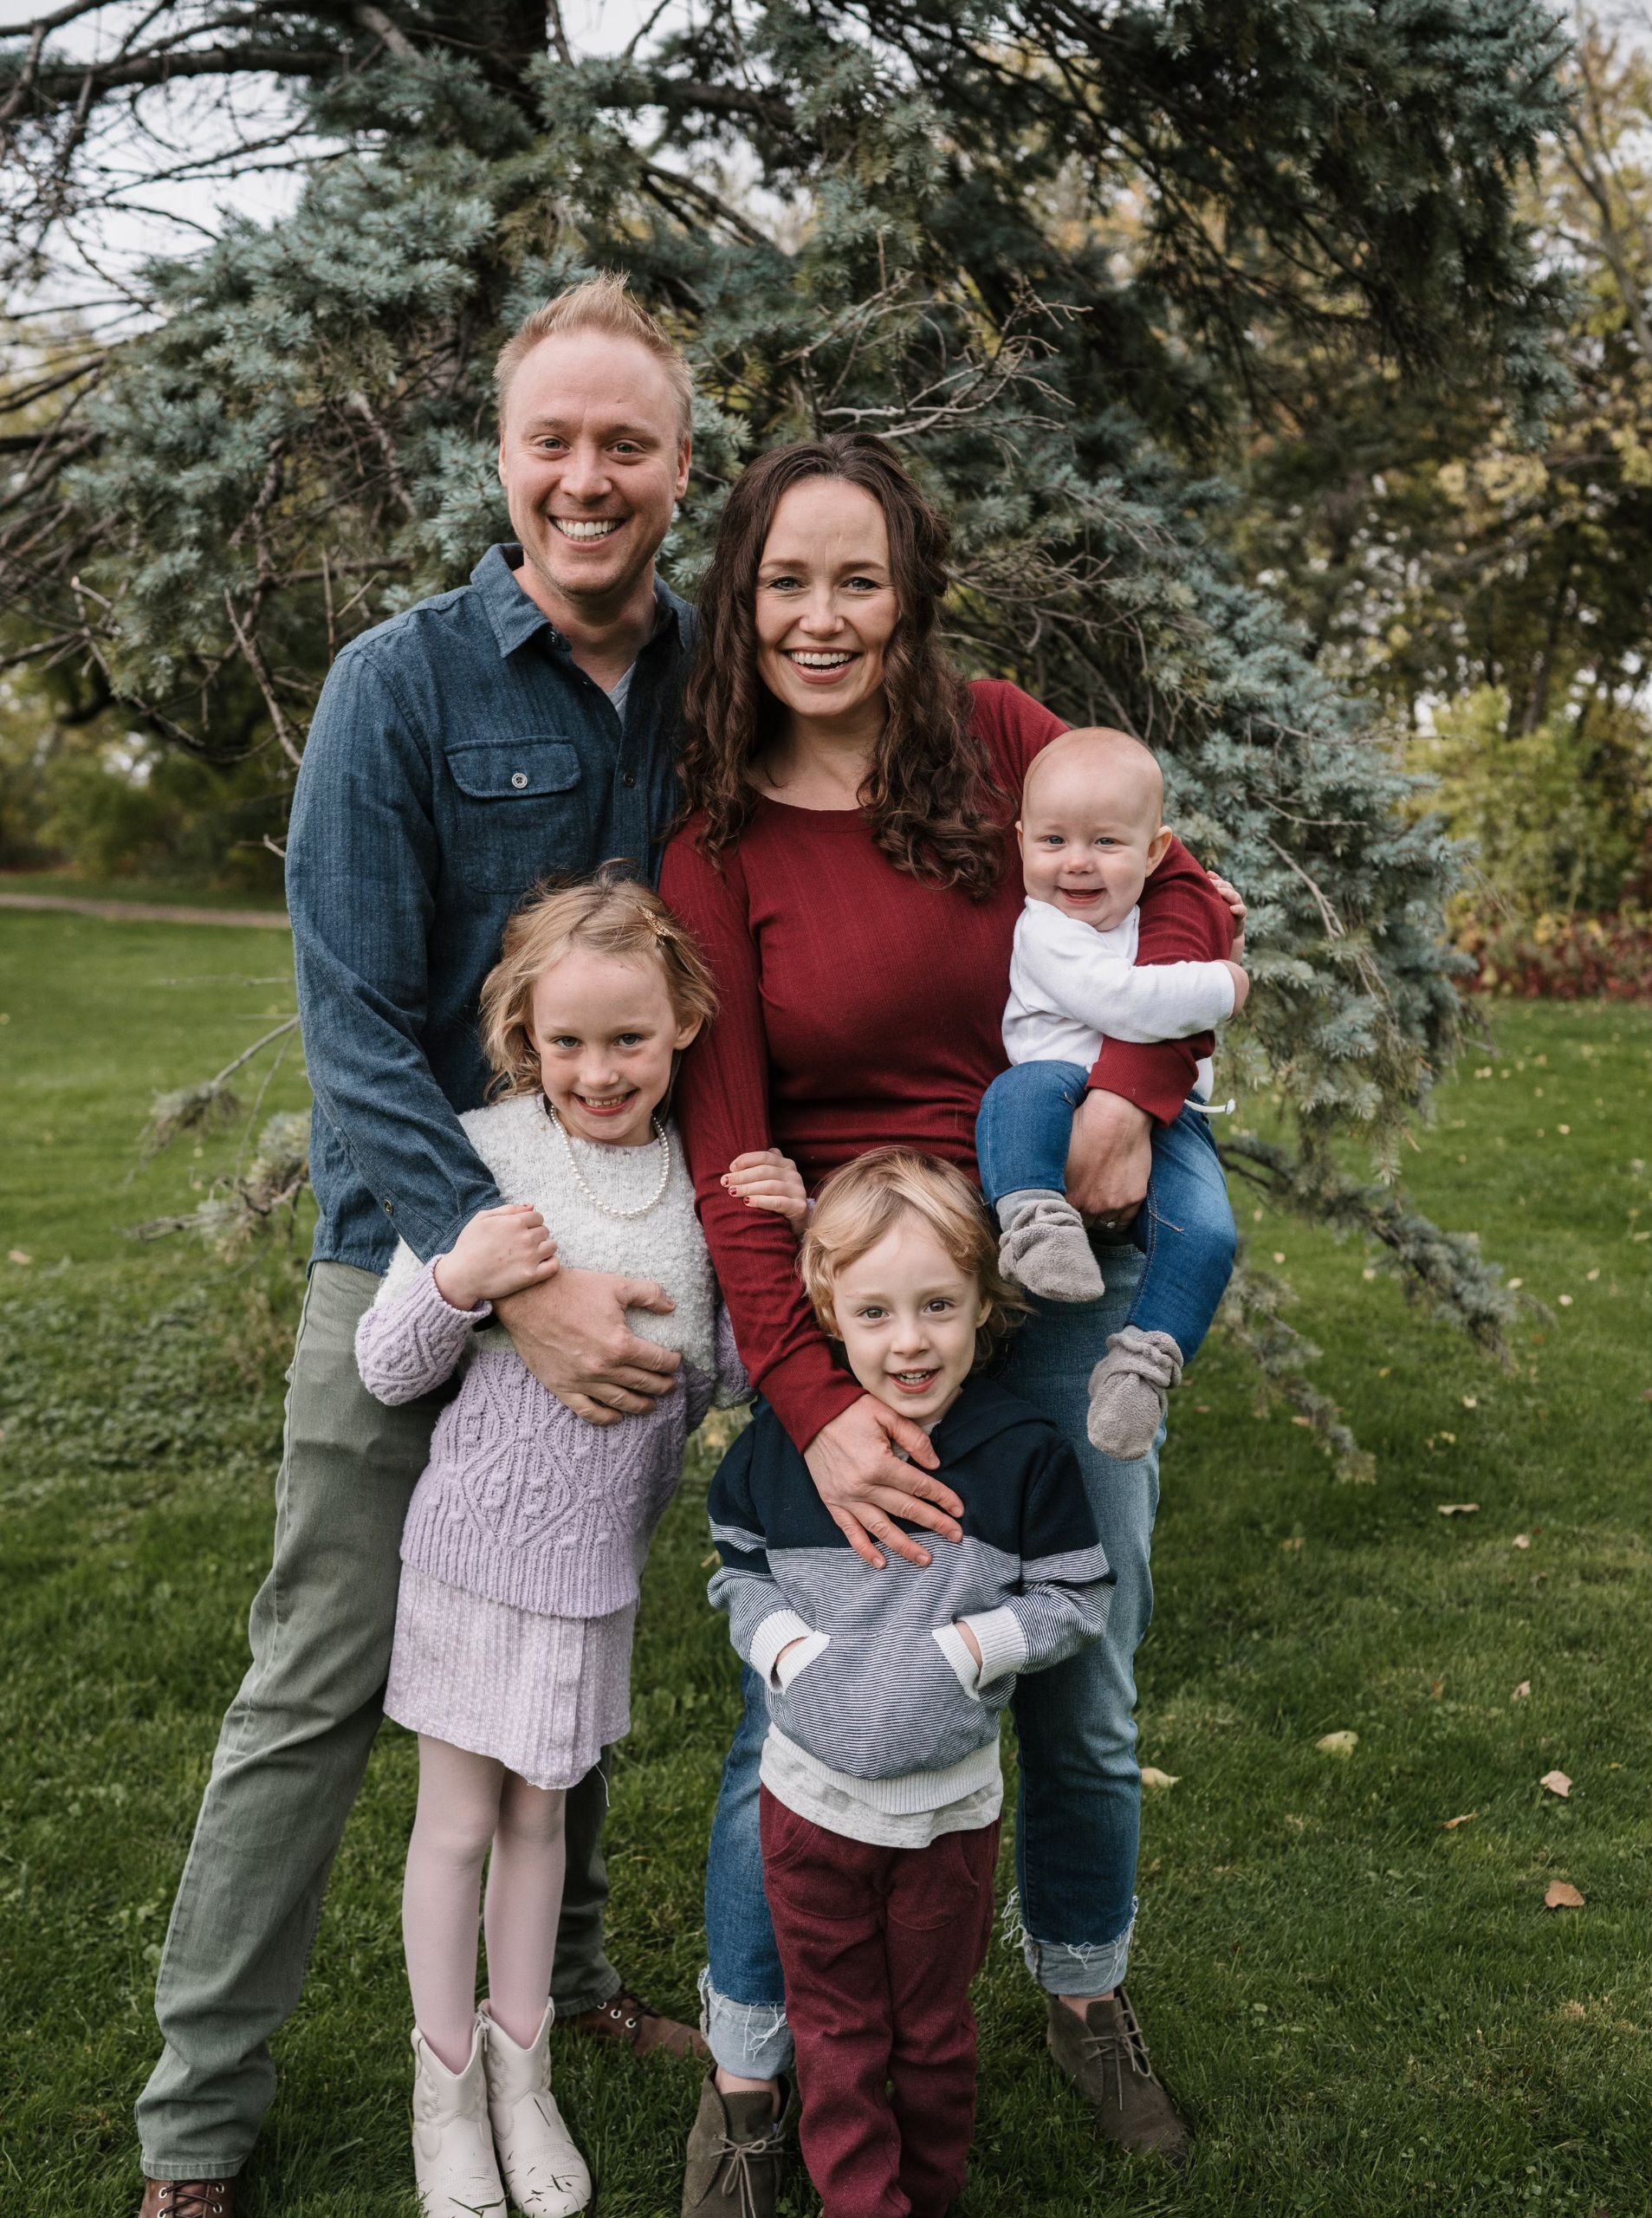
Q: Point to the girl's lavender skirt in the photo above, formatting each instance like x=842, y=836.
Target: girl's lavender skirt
x=544, y=1695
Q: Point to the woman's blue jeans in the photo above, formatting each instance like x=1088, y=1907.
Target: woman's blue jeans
x=1078, y=1818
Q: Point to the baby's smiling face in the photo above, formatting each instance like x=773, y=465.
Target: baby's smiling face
x=1089, y=829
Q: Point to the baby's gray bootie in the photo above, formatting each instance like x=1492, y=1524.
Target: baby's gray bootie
x=1128, y=1389
x=1046, y=1249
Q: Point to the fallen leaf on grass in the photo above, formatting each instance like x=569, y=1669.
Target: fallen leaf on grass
x=1522, y=1540
x=1459, y=1508
x=1450, y=1824
x=1573, y=2010
x=1153, y=1777
x=1293, y=1546
x=1557, y=1782
x=1337, y=1744
x=1561, y=1895
x=16, y=1255
x=1522, y=1691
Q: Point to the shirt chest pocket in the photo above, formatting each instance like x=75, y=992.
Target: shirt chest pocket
x=520, y=811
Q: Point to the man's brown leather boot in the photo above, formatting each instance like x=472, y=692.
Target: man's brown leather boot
x=628, y=2019
x=188, y=2199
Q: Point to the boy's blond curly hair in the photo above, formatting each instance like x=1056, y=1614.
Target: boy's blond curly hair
x=860, y=1202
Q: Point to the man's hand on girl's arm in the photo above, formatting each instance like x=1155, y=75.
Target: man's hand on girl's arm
x=865, y=1486
x=571, y=1331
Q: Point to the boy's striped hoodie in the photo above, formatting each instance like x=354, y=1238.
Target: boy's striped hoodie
x=881, y=1697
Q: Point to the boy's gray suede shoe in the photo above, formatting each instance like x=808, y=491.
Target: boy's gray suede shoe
x=1128, y=1389
x=1046, y=1249
x=737, y=2154
x=1104, y=2055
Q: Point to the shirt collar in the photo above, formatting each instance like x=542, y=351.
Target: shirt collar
x=517, y=617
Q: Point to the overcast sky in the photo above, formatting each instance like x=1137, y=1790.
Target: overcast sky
x=169, y=215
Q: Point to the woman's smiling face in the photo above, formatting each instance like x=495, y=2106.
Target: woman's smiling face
x=826, y=601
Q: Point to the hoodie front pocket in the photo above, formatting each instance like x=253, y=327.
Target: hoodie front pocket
x=877, y=1705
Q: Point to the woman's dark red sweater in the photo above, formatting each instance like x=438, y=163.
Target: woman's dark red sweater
x=859, y=1007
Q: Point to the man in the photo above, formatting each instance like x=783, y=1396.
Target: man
x=518, y=727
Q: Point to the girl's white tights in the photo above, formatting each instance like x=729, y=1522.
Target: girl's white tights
x=467, y=1804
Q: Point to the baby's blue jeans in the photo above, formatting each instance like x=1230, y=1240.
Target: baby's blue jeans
x=1184, y=1229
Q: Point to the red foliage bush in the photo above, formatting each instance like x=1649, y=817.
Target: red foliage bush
x=1567, y=959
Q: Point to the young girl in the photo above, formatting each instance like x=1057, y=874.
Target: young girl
x=880, y=1781
x=526, y=1537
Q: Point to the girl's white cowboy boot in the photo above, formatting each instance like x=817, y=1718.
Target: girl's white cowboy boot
x=544, y=2171
x=453, y=2158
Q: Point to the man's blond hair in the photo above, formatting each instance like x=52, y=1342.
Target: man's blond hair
x=603, y=304
x=863, y=1200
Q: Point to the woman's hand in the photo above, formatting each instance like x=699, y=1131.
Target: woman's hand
x=1235, y=901
x=1110, y=1159
x=865, y=1486
x=766, y=1179
x=500, y=1252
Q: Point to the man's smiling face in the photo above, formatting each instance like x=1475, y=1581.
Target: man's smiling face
x=592, y=457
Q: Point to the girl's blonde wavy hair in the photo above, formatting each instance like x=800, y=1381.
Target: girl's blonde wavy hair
x=611, y=913
x=862, y=1201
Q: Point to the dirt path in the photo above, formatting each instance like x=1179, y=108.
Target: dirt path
x=147, y=912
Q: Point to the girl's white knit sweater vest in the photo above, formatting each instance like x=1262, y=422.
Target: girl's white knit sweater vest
x=529, y=1160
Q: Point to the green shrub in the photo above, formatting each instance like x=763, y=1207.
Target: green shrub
x=1559, y=819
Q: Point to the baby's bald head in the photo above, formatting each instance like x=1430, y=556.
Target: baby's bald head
x=1113, y=766
x=1090, y=826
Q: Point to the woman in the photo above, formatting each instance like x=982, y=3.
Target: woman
x=849, y=867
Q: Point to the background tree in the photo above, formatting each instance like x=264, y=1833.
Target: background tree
x=1064, y=256
x=1485, y=579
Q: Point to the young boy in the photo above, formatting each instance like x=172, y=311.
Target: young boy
x=881, y=1788
x=1090, y=836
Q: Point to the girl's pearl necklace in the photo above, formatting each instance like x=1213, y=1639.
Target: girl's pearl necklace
x=662, y=1140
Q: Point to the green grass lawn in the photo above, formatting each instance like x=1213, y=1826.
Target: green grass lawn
x=174, y=891
x=1363, y=2010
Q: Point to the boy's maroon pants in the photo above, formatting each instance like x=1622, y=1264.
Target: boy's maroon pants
x=878, y=1946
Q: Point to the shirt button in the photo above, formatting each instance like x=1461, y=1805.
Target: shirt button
x=390, y=1208
x=519, y=779
x=627, y=780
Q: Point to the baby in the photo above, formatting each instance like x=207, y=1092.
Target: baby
x=1090, y=837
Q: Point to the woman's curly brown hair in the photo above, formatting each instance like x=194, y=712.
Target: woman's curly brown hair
x=934, y=806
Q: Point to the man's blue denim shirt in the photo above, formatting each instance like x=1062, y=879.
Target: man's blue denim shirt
x=458, y=753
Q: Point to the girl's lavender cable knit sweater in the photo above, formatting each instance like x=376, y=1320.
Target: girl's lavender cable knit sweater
x=522, y=1501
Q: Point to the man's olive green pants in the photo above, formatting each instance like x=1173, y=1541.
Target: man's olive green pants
x=292, y=1753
